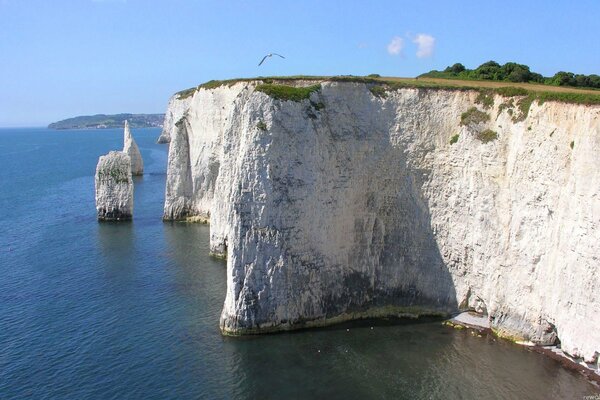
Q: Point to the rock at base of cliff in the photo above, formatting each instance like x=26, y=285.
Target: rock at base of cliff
x=130, y=148
x=164, y=138
x=114, y=187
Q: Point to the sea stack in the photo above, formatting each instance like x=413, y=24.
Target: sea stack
x=131, y=149
x=114, y=187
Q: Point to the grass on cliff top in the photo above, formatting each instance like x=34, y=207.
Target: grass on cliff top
x=540, y=93
x=284, y=92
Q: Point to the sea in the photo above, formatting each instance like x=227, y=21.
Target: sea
x=93, y=310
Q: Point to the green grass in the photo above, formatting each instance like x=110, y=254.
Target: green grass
x=378, y=91
x=391, y=84
x=454, y=139
x=473, y=116
x=184, y=94
x=506, y=105
x=510, y=91
x=284, y=92
x=524, y=104
x=487, y=136
x=577, y=98
x=485, y=98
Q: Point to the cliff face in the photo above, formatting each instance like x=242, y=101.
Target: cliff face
x=175, y=110
x=352, y=205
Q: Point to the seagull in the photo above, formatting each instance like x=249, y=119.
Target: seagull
x=269, y=55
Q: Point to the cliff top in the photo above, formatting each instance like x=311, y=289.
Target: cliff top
x=379, y=86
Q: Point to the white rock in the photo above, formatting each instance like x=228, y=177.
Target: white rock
x=178, y=105
x=131, y=149
x=364, y=208
x=114, y=187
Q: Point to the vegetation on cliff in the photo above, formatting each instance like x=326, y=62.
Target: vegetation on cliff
x=473, y=116
x=295, y=87
x=513, y=72
x=284, y=92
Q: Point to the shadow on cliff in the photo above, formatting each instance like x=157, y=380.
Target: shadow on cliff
x=396, y=265
x=370, y=250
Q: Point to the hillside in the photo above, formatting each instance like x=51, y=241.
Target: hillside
x=103, y=121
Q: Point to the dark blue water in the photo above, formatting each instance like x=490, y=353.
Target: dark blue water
x=130, y=310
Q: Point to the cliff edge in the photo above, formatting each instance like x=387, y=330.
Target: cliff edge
x=344, y=200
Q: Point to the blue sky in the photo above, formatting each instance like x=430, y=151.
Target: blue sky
x=65, y=58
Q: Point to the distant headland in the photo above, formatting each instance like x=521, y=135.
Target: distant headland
x=104, y=121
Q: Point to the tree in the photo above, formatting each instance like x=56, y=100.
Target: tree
x=489, y=70
x=456, y=68
x=563, y=78
x=594, y=81
x=582, y=80
x=516, y=72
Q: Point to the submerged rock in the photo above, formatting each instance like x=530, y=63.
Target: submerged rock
x=131, y=149
x=114, y=187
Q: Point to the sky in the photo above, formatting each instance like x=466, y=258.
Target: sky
x=64, y=58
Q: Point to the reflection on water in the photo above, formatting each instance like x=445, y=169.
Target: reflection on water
x=116, y=241
x=130, y=310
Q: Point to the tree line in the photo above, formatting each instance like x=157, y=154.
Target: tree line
x=513, y=72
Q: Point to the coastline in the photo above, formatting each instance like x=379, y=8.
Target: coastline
x=478, y=322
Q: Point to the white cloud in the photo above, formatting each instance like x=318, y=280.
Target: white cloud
x=425, y=45
x=396, y=45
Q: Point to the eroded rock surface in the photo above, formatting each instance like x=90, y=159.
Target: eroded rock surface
x=114, y=187
x=356, y=204
x=130, y=148
x=175, y=110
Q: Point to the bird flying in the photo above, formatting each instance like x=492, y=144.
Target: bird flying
x=269, y=55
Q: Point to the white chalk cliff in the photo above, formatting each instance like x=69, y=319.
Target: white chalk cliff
x=178, y=105
x=130, y=148
x=114, y=187
x=351, y=205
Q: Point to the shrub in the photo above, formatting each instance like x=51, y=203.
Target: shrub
x=473, y=116
x=373, y=76
x=455, y=69
x=261, y=125
x=487, y=136
x=378, y=91
x=485, y=98
x=524, y=105
x=317, y=106
x=572, y=144
x=454, y=139
x=284, y=92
